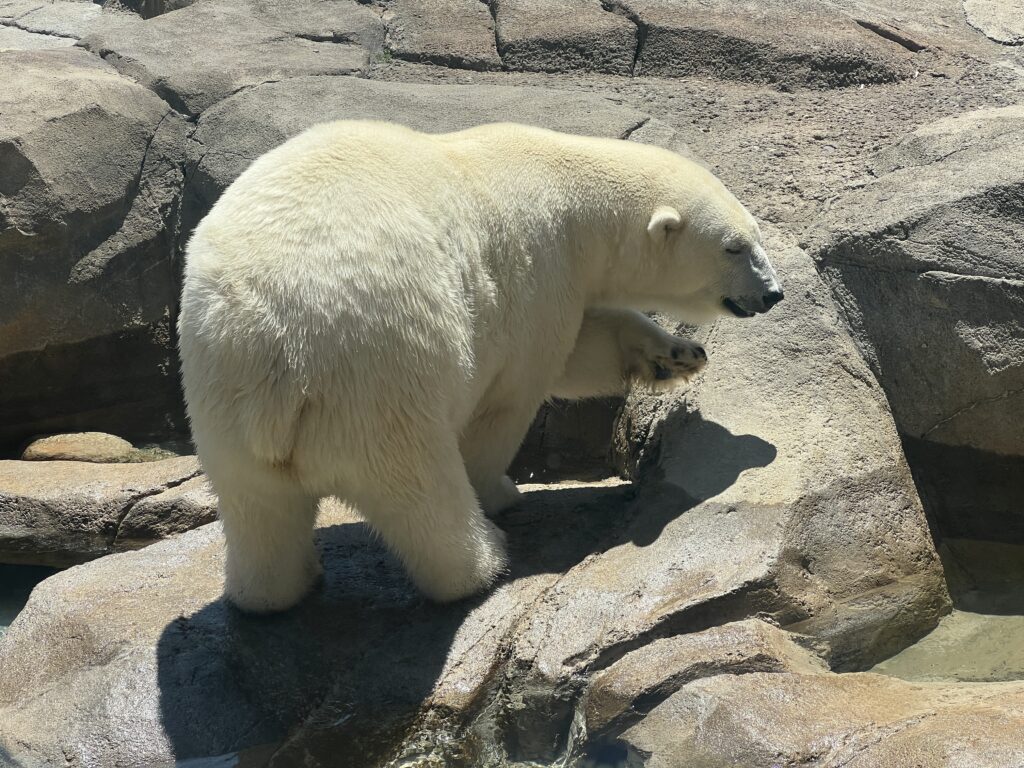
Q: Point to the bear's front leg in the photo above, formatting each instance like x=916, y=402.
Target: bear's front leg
x=619, y=347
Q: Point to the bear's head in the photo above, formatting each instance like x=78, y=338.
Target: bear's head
x=708, y=258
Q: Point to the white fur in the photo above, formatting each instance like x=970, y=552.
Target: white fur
x=377, y=314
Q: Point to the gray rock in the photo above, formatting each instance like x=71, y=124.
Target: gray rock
x=859, y=721
x=926, y=263
x=80, y=446
x=88, y=208
x=564, y=36
x=786, y=43
x=451, y=33
x=64, y=512
x=14, y=39
x=999, y=20
x=177, y=509
x=183, y=58
x=624, y=692
x=339, y=680
x=56, y=18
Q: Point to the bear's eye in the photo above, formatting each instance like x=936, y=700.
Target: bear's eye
x=735, y=250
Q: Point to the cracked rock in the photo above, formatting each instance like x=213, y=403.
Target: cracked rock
x=927, y=265
x=999, y=20
x=423, y=30
x=856, y=721
x=59, y=513
x=181, y=55
x=564, y=36
x=88, y=212
x=790, y=44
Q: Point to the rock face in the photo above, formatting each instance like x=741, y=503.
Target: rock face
x=64, y=512
x=999, y=20
x=90, y=192
x=862, y=721
x=926, y=262
x=790, y=44
x=180, y=56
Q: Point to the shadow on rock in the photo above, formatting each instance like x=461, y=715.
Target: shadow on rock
x=340, y=679
x=711, y=459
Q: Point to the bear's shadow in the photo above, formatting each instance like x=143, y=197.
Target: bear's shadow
x=338, y=679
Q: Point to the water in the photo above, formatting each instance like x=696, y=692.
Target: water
x=16, y=583
x=982, y=640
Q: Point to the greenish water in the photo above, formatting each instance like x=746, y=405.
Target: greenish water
x=16, y=584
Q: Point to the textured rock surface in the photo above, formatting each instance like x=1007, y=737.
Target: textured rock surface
x=80, y=446
x=180, y=55
x=88, y=203
x=65, y=512
x=1000, y=20
x=787, y=43
x=927, y=264
x=564, y=36
x=454, y=33
x=860, y=721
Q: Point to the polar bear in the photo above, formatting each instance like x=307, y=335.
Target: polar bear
x=376, y=314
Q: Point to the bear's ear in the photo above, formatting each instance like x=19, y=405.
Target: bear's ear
x=664, y=220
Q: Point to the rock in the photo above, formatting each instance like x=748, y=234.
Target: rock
x=857, y=720
x=65, y=21
x=339, y=680
x=789, y=44
x=178, y=509
x=183, y=58
x=927, y=266
x=64, y=512
x=423, y=30
x=85, y=321
x=564, y=36
x=81, y=446
x=628, y=689
x=999, y=20
x=568, y=439
x=13, y=39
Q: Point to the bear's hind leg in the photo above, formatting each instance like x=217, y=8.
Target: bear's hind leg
x=271, y=559
x=433, y=523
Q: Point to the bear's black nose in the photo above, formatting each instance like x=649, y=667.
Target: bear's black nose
x=772, y=298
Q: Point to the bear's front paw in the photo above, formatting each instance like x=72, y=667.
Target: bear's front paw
x=668, y=362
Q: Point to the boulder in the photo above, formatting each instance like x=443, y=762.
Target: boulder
x=340, y=680
x=623, y=693
x=857, y=720
x=564, y=36
x=926, y=264
x=59, y=513
x=80, y=446
x=64, y=22
x=999, y=20
x=182, y=55
x=423, y=31
x=789, y=44
x=88, y=208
